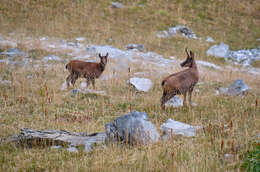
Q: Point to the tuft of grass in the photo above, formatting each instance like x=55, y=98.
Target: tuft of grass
x=252, y=161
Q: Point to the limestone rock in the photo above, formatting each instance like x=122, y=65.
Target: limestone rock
x=141, y=84
x=132, y=128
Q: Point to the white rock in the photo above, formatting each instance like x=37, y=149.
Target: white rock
x=72, y=149
x=220, y=50
x=141, y=84
x=172, y=127
x=80, y=39
x=210, y=39
x=51, y=58
x=175, y=101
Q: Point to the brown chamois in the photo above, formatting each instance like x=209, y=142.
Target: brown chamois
x=88, y=70
x=181, y=82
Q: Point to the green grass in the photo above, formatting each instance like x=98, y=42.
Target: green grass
x=34, y=99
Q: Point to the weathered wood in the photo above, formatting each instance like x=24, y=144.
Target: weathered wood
x=30, y=137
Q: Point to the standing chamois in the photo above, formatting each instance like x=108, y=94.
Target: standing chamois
x=88, y=70
x=181, y=82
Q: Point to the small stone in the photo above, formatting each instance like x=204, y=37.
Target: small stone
x=51, y=58
x=172, y=127
x=56, y=147
x=210, y=39
x=117, y=5
x=72, y=149
x=80, y=39
x=175, y=101
x=139, y=47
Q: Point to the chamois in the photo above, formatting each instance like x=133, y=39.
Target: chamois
x=88, y=70
x=181, y=82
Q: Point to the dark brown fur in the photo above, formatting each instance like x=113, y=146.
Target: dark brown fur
x=181, y=82
x=88, y=70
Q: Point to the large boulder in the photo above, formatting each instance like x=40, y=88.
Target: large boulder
x=238, y=87
x=220, y=50
x=132, y=128
x=172, y=127
x=141, y=84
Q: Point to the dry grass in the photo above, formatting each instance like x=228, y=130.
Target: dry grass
x=34, y=99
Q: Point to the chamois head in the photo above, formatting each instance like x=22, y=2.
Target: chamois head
x=103, y=59
x=189, y=59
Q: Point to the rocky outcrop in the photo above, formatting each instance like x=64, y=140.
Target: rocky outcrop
x=132, y=128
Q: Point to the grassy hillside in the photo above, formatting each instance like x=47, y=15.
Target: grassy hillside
x=34, y=99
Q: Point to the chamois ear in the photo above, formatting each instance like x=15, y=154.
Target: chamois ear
x=99, y=55
x=106, y=55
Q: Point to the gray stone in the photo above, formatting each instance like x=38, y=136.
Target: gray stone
x=117, y=5
x=175, y=101
x=14, y=52
x=56, y=147
x=210, y=39
x=172, y=127
x=132, y=128
x=141, y=84
x=72, y=149
x=52, y=58
x=4, y=82
x=237, y=88
x=259, y=135
x=245, y=57
x=172, y=32
x=220, y=50
x=80, y=39
x=139, y=47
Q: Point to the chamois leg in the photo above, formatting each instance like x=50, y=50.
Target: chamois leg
x=75, y=76
x=163, y=100
x=93, y=83
x=184, y=100
x=68, y=79
x=87, y=82
x=190, y=94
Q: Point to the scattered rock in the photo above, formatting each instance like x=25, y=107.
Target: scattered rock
x=175, y=101
x=141, y=84
x=210, y=39
x=208, y=64
x=245, y=57
x=4, y=82
x=117, y=5
x=259, y=135
x=13, y=52
x=56, y=147
x=220, y=50
x=139, y=47
x=72, y=149
x=172, y=127
x=132, y=128
x=57, y=138
x=52, y=58
x=228, y=157
x=172, y=32
x=80, y=39
x=113, y=52
x=86, y=91
x=238, y=87
x=43, y=39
